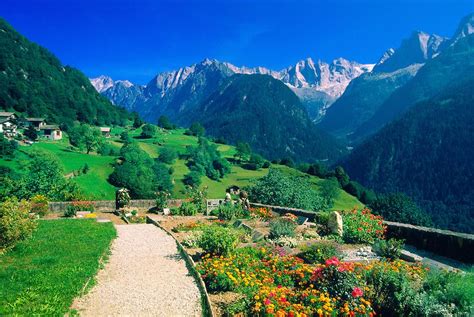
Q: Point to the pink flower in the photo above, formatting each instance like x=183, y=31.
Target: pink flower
x=267, y=301
x=332, y=261
x=357, y=292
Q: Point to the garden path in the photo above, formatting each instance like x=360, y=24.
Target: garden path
x=145, y=275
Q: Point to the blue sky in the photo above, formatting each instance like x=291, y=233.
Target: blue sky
x=136, y=39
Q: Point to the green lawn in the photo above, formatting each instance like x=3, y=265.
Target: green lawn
x=42, y=275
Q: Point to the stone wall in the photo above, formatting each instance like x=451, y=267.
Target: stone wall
x=109, y=205
x=311, y=215
x=459, y=246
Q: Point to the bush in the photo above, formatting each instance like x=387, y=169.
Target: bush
x=192, y=179
x=279, y=189
x=167, y=155
x=15, y=222
x=361, y=226
x=282, y=227
x=76, y=206
x=230, y=211
x=319, y=252
x=218, y=240
x=186, y=209
x=390, y=249
x=39, y=205
x=148, y=131
x=162, y=200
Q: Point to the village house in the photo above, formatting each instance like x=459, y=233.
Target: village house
x=51, y=132
x=105, y=131
x=8, y=124
x=36, y=123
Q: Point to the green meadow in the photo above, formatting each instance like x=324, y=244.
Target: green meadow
x=95, y=185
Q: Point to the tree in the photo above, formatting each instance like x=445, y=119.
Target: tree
x=279, y=189
x=167, y=155
x=255, y=162
x=7, y=147
x=192, y=179
x=165, y=123
x=341, y=176
x=318, y=170
x=206, y=159
x=330, y=190
x=125, y=137
x=148, y=131
x=243, y=151
x=43, y=175
x=85, y=137
x=401, y=208
x=196, y=129
x=140, y=174
x=31, y=133
x=137, y=121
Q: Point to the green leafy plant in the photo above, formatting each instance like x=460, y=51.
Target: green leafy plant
x=162, y=200
x=218, y=240
x=39, y=205
x=186, y=209
x=390, y=249
x=230, y=211
x=319, y=252
x=282, y=227
x=15, y=222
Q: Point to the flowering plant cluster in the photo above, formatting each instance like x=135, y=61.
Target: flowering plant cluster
x=286, y=286
x=290, y=216
x=185, y=227
x=261, y=213
x=361, y=226
x=82, y=206
x=39, y=205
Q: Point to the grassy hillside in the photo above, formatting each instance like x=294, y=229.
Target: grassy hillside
x=95, y=184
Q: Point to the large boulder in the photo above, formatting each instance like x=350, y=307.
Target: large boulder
x=335, y=223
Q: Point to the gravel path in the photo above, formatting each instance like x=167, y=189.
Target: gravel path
x=144, y=276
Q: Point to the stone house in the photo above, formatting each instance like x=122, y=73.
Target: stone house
x=8, y=127
x=51, y=132
x=37, y=123
x=105, y=131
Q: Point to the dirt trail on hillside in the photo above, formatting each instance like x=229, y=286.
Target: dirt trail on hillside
x=145, y=276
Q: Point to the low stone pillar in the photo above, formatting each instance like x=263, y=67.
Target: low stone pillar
x=335, y=223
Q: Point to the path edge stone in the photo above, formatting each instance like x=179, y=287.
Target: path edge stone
x=206, y=305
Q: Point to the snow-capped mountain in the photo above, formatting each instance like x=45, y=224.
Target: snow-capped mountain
x=317, y=84
x=120, y=92
x=416, y=49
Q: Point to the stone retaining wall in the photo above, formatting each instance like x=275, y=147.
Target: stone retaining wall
x=109, y=205
x=311, y=215
x=455, y=245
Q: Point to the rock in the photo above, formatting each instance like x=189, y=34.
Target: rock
x=335, y=223
x=410, y=257
x=166, y=211
x=257, y=235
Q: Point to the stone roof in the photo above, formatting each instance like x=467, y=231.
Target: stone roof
x=104, y=129
x=35, y=119
x=50, y=127
x=6, y=114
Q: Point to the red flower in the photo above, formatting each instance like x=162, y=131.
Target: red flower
x=267, y=301
x=357, y=292
x=332, y=261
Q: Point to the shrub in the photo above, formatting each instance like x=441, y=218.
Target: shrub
x=148, y=131
x=319, y=252
x=76, y=206
x=192, y=179
x=15, y=222
x=162, y=200
x=361, y=226
x=167, y=155
x=198, y=197
x=279, y=189
x=230, y=211
x=389, y=249
x=39, y=205
x=218, y=240
x=282, y=227
x=186, y=209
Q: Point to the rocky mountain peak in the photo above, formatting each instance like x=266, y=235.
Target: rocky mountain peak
x=466, y=27
x=102, y=83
